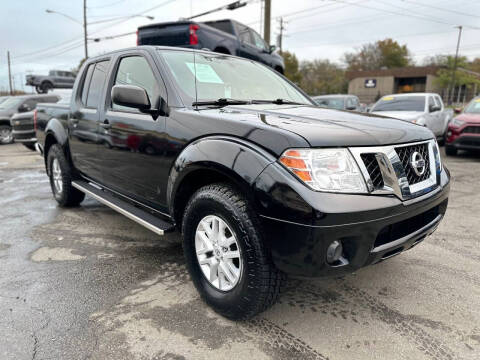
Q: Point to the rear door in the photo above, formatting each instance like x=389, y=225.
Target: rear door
x=133, y=142
x=83, y=124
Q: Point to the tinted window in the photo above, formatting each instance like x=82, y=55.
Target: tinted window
x=221, y=25
x=400, y=103
x=331, y=103
x=86, y=83
x=134, y=70
x=96, y=84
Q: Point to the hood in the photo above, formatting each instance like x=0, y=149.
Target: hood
x=326, y=127
x=469, y=118
x=7, y=113
x=404, y=115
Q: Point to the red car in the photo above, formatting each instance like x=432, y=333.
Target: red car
x=464, y=130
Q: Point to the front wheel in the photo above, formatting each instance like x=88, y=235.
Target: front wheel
x=227, y=259
x=60, y=174
x=6, y=136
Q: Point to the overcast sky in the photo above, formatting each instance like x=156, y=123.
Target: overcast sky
x=325, y=29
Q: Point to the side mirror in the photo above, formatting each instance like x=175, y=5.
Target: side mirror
x=433, y=108
x=24, y=108
x=457, y=110
x=272, y=48
x=131, y=96
x=350, y=107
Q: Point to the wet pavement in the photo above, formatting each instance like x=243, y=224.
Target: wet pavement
x=87, y=283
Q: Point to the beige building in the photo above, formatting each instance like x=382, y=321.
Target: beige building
x=370, y=85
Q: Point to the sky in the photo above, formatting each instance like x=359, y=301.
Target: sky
x=323, y=29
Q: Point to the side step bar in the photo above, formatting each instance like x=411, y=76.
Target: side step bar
x=140, y=216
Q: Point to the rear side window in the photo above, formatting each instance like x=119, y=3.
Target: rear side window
x=221, y=25
x=96, y=84
x=86, y=83
x=135, y=70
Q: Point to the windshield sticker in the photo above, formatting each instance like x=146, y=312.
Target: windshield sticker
x=388, y=98
x=205, y=73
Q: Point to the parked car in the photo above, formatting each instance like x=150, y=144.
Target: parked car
x=56, y=79
x=339, y=102
x=14, y=105
x=464, y=130
x=424, y=109
x=223, y=36
x=22, y=123
x=259, y=181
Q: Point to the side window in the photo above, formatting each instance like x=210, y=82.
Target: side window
x=258, y=41
x=244, y=34
x=431, y=102
x=96, y=84
x=86, y=83
x=31, y=103
x=438, y=100
x=135, y=70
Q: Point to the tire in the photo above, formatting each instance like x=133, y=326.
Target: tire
x=6, y=136
x=450, y=150
x=60, y=174
x=258, y=282
x=46, y=87
x=38, y=90
x=30, y=146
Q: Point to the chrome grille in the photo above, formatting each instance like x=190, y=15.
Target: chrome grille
x=371, y=163
x=405, y=155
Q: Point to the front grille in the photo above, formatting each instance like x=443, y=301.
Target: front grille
x=23, y=126
x=405, y=154
x=403, y=228
x=471, y=130
x=371, y=163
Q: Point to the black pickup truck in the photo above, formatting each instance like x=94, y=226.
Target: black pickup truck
x=259, y=181
x=223, y=36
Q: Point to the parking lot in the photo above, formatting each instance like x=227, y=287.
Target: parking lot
x=87, y=283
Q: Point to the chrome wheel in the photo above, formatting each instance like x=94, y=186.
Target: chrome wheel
x=218, y=253
x=6, y=135
x=57, y=176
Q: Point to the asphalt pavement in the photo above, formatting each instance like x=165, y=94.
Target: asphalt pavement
x=88, y=283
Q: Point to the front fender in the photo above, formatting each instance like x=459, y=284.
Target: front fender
x=233, y=157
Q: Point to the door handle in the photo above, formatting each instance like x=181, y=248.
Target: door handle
x=106, y=125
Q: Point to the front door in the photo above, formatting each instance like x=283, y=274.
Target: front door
x=133, y=142
x=83, y=123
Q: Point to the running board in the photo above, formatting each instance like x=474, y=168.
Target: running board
x=134, y=213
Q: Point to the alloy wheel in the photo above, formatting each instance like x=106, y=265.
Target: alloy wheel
x=57, y=176
x=218, y=253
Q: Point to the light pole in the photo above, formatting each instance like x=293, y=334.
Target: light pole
x=450, y=99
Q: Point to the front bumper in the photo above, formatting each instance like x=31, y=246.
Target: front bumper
x=300, y=224
x=465, y=142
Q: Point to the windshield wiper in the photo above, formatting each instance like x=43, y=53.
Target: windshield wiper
x=277, y=102
x=221, y=102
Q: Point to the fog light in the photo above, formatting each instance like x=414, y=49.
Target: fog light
x=334, y=252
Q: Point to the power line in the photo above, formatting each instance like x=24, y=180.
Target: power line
x=441, y=9
x=106, y=5
x=421, y=17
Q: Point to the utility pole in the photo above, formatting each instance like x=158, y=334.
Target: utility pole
x=9, y=73
x=266, y=26
x=85, y=28
x=280, y=35
x=455, y=65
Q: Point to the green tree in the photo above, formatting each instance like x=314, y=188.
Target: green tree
x=291, y=67
x=322, y=77
x=444, y=76
x=382, y=54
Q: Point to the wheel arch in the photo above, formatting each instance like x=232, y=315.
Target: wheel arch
x=213, y=160
x=55, y=133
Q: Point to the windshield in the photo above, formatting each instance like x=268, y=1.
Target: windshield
x=10, y=103
x=331, y=103
x=400, y=103
x=473, y=107
x=217, y=76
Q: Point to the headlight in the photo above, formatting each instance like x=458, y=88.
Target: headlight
x=438, y=160
x=457, y=122
x=332, y=170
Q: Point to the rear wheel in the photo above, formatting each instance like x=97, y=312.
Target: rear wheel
x=60, y=174
x=225, y=253
x=46, y=87
x=6, y=136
